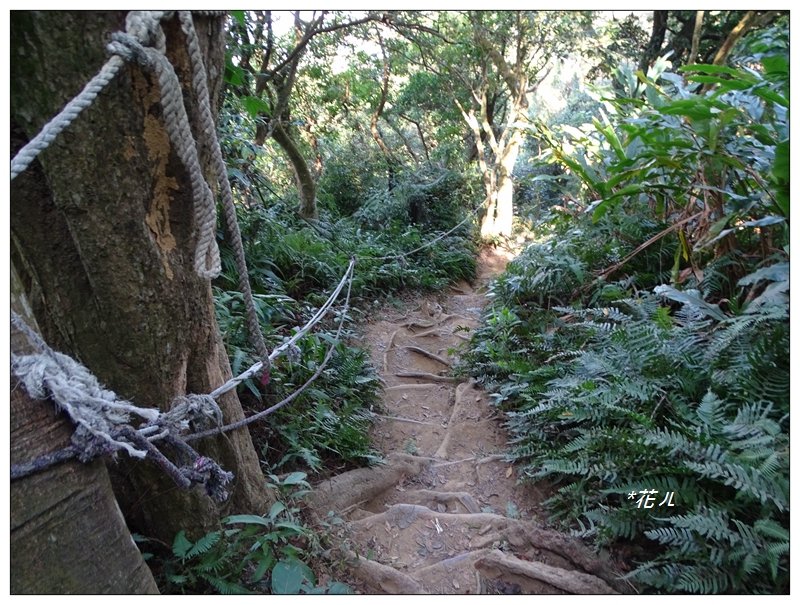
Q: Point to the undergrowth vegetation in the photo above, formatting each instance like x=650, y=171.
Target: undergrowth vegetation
x=640, y=349
x=249, y=554
x=295, y=263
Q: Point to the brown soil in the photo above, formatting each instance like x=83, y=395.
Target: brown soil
x=446, y=514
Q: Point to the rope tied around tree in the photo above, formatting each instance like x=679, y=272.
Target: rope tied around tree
x=103, y=420
x=176, y=121
x=144, y=43
x=211, y=145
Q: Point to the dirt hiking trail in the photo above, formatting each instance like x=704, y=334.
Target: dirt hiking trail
x=445, y=514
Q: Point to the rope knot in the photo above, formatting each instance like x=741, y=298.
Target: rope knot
x=192, y=412
x=145, y=26
x=129, y=48
x=209, y=474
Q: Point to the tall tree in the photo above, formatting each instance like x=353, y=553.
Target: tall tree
x=496, y=63
x=103, y=236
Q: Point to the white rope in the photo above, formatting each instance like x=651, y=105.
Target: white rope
x=143, y=28
x=96, y=411
x=100, y=414
x=278, y=351
x=210, y=143
x=140, y=25
x=54, y=127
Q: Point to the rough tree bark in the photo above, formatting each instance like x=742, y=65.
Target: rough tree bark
x=103, y=236
x=68, y=535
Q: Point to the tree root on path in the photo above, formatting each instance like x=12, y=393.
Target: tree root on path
x=376, y=575
x=475, y=459
x=422, y=496
x=389, y=348
x=428, y=354
x=428, y=376
x=408, y=420
x=439, y=320
x=352, y=487
x=440, y=332
x=499, y=564
x=441, y=452
x=518, y=533
x=399, y=387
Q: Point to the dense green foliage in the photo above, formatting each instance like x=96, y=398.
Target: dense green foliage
x=293, y=266
x=250, y=554
x=640, y=344
x=643, y=342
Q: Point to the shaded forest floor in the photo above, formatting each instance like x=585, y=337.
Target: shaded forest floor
x=446, y=514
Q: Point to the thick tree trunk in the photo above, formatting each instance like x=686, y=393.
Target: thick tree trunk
x=103, y=236
x=498, y=220
x=67, y=533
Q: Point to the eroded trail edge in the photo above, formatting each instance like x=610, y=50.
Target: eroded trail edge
x=445, y=515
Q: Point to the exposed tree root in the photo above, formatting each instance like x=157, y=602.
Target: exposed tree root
x=484, y=460
x=499, y=564
x=428, y=376
x=441, y=452
x=377, y=575
x=423, y=496
x=389, y=347
x=403, y=387
x=352, y=487
x=428, y=354
x=408, y=420
x=518, y=533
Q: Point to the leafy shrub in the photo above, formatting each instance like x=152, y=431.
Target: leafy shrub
x=674, y=377
x=252, y=554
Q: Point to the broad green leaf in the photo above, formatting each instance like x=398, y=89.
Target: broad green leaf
x=339, y=588
x=293, y=527
x=234, y=75
x=780, y=176
x=276, y=509
x=694, y=109
x=692, y=298
x=776, y=272
x=238, y=16
x=770, y=95
x=725, y=84
x=294, y=478
x=288, y=576
x=264, y=565
x=249, y=519
x=716, y=69
x=255, y=106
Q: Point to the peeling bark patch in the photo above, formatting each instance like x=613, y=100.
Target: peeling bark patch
x=157, y=219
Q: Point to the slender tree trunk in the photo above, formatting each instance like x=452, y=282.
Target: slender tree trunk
x=421, y=136
x=67, y=533
x=739, y=30
x=406, y=143
x=103, y=233
x=698, y=29
x=657, y=36
x=306, y=187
